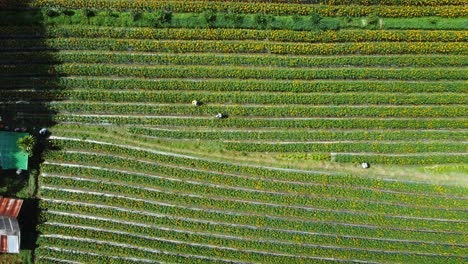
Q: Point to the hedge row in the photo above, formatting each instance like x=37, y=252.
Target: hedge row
x=249, y=7
x=301, y=135
x=269, y=111
x=204, y=178
x=242, y=34
x=315, y=123
x=426, y=189
x=233, y=85
x=402, y=159
x=232, y=59
x=176, y=71
x=354, y=147
x=260, y=223
x=249, y=46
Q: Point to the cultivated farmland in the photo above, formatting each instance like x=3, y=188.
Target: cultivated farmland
x=234, y=131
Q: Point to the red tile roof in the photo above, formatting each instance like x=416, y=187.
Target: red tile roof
x=10, y=207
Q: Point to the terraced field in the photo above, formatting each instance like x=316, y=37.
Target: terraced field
x=135, y=172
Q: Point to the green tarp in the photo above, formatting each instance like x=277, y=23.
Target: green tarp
x=11, y=157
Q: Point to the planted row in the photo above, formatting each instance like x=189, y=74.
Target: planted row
x=249, y=7
x=241, y=34
x=234, y=85
x=275, y=227
x=108, y=251
x=246, y=233
x=231, y=59
x=316, y=123
x=159, y=202
x=403, y=159
x=354, y=147
x=233, y=46
x=257, y=171
x=132, y=172
x=315, y=202
x=239, y=249
x=299, y=135
x=360, y=2
x=164, y=71
x=267, y=111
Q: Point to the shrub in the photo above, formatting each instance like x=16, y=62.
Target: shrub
x=210, y=18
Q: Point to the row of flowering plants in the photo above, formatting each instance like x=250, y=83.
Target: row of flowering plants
x=164, y=188
x=134, y=168
x=298, y=135
x=236, y=85
x=357, y=2
x=251, y=7
x=210, y=230
x=169, y=71
x=317, y=123
x=239, y=249
x=157, y=201
x=257, y=231
x=354, y=147
x=269, y=111
x=222, y=167
x=115, y=57
x=273, y=98
x=245, y=34
x=233, y=46
x=403, y=159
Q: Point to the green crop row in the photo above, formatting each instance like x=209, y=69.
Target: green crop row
x=201, y=220
x=354, y=147
x=268, y=111
x=260, y=172
x=112, y=250
x=357, y=2
x=58, y=256
x=402, y=159
x=242, y=34
x=232, y=59
x=107, y=182
x=232, y=46
x=168, y=246
x=324, y=123
x=321, y=239
x=301, y=135
x=233, y=85
x=249, y=7
x=166, y=71
x=315, y=188
x=267, y=98
x=253, y=98
x=155, y=202
x=238, y=248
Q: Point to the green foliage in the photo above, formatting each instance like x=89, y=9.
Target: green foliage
x=263, y=21
x=27, y=144
x=210, y=18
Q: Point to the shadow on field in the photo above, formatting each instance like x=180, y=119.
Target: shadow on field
x=27, y=87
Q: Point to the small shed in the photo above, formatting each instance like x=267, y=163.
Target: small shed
x=11, y=157
x=10, y=234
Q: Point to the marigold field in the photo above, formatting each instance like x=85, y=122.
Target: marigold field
x=235, y=131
